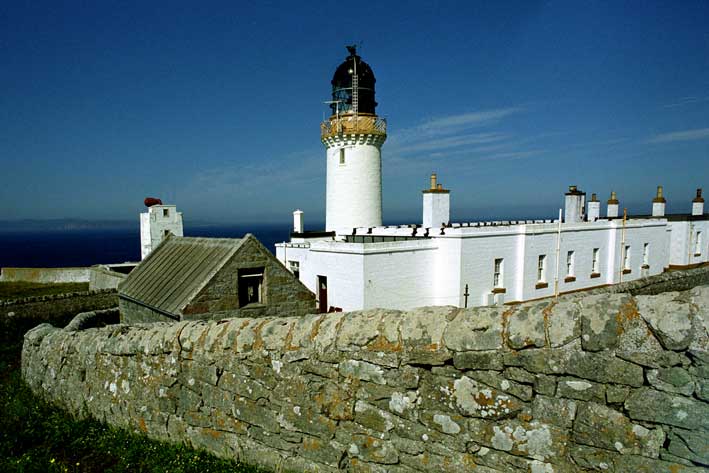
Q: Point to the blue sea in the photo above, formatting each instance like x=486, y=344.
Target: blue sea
x=86, y=247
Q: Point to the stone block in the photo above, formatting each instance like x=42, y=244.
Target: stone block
x=692, y=446
x=526, y=326
x=665, y=408
x=669, y=319
x=478, y=360
x=602, y=318
x=476, y=329
x=673, y=380
x=574, y=388
x=599, y=426
x=554, y=411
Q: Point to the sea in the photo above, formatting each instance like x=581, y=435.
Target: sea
x=54, y=248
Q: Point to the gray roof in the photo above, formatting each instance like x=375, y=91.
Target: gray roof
x=174, y=272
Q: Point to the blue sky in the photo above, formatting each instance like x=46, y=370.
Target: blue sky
x=215, y=106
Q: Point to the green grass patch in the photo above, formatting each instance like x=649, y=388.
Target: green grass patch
x=38, y=437
x=17, y=290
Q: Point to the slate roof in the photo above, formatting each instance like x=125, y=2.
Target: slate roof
x=174, y=273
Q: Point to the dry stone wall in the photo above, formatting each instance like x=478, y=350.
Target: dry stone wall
x=608, y=382
x=19, y=315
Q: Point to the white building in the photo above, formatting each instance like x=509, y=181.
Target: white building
x=155, y=224
x=359, y=264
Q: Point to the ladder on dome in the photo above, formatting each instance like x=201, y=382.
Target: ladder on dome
x=355, y=93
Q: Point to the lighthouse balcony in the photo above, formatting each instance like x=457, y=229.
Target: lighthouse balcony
x=353, y=125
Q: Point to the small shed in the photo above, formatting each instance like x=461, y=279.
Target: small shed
x=188, y=278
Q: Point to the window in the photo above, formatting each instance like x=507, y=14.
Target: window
x=595, y=266
x=165, y=233
x=165, y=213
x=626, y=259
x=570, y=263
x=497, y=275
x=698, y=244
x=646, y=255
x=250, y=286
x=342, y=155
x=542, y=268
x=294, y=267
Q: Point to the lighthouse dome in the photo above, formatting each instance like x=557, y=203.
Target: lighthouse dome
x=342, y=85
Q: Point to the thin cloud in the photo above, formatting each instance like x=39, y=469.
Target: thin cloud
x=452, y=142
x=686, y=101
x=466, y=120
x=685, y=135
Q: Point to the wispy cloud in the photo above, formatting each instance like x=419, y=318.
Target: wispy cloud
x=686, y=101
x=467, y=120
x=685, y=135
x=452, y=142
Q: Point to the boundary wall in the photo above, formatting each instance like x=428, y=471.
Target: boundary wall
x=608, y=382
x=45, y=275
x=19, y=315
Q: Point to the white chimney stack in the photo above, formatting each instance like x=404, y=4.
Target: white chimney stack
x=698, y=204
x=612, y=210
x=658, y=204
x=436, y=205
x=298, y=226
x=594, y=209
x=575, y=205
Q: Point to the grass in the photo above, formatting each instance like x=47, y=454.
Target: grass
x=16, y=290
x=38, y=437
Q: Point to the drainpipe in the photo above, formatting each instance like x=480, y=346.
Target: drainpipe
x=558, y=251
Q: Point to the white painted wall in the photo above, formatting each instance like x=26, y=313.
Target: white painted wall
x=436, y=209
x=354, y=188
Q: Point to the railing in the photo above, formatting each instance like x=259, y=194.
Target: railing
x=348, y=125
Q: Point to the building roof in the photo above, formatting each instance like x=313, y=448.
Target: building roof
x=174, y=273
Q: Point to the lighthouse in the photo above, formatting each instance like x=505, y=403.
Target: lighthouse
x=353, y=136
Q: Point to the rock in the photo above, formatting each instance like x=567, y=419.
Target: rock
x=692, y=446
x=665, y=408
x=563, y=323
x=669, y=319
x=479, y=401
x=602, y=318
x=673, y=380
x=550, y=410
x=478, y=360
x=475, y=329
x=604, y=368
x=372, y=449
x=534, y=439
x=616, y=394
x=574, y=388
x=602, y=427
x=362, y=370
x=525, y=326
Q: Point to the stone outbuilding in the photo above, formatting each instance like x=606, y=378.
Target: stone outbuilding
x=187, y=278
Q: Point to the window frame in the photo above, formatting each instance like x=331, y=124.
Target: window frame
x=245, y=279
x=498, y=273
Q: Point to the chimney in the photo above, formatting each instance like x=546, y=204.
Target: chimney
x=658, y=204
x=594, y=209
x=698, y=204
x=575, y=205
x=298, y=226
x=436, y=205
x=612, y=211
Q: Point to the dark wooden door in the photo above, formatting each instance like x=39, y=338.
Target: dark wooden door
x=322, y=294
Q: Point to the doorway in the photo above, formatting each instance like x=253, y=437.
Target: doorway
x=322, y=294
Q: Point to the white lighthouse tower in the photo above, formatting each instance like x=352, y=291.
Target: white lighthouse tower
x=353, y=137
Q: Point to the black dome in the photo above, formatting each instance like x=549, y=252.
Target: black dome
x=342, y=85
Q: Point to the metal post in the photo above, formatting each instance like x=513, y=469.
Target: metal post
x=466, y=296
